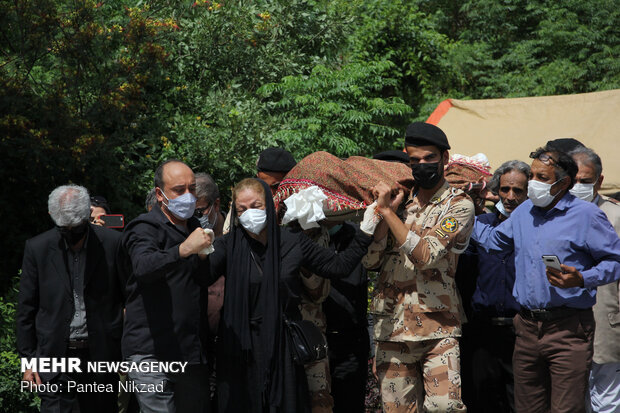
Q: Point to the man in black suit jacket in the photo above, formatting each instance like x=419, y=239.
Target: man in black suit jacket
x=162, y=321
x=70, y=303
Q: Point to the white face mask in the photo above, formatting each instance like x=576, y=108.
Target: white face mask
x=181, y=207
x=540, y=193
x=254, y=220
x=501, y=209
x=583, y=191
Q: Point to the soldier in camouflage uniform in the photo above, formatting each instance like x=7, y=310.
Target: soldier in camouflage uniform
x=316, y=290
x=417, y=308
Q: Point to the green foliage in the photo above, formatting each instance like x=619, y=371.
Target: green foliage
x=76, y=104
x=99, y=92
x=12, y=399
x=400, y=32
x=224, y=139
x=224, y=52
x=339, y=110
x=242, y=45
x=489, y=49
x=532, y=48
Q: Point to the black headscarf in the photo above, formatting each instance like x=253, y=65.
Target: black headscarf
x=236, y=335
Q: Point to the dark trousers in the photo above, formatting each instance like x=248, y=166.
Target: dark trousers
x=486, y=364
x=551, y=363
x=348, y=365
x=182, y=392
x=97, y=402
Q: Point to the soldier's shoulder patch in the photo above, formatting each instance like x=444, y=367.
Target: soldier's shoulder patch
x=449, y=224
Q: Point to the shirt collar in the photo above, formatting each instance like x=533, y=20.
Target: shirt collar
x=159, y=215
x=442, y=193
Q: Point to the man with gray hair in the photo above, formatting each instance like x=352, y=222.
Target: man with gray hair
x=151, y=200
x=70, y=304
x=605, y=372
x=564, y=249
x=208, y=209
x=211, y=299
x=488, y=338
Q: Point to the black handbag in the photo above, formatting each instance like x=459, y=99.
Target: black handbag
x=306, y=341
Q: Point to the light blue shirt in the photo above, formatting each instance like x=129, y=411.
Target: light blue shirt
x=578, y=232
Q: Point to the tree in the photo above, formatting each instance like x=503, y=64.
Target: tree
x=532, y=48
x=339, y=110
x=77, y=105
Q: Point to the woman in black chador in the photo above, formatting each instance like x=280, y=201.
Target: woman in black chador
x=261, y=262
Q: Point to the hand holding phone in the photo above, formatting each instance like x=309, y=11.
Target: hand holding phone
x=565, y=277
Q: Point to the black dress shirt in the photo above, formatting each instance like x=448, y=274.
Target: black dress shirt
x=76, y=266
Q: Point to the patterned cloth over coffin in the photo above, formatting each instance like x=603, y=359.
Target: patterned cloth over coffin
x=347, y=183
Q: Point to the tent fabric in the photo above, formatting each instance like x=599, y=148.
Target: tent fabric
x=506, y=129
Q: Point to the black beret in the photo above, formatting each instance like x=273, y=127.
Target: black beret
x=275, y=160
x=392, y=156
x=564, y=144
x=423, y=134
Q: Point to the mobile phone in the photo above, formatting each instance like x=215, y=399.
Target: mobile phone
x=552, y=261
x=113, y=221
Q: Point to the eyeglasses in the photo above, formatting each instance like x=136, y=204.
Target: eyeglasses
x=544, y=158
x=198, y=212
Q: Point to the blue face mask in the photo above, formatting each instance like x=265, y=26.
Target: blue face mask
x=205, y=223
x=501, y=209
x=181, y=207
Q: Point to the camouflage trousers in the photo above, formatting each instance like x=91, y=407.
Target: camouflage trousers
x=319, y=386
x=420, y=376
x=317, y=373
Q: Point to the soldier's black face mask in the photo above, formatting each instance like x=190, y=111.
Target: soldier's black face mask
x=427, y=175
x=73, y=235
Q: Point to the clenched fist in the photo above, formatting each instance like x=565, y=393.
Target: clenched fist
x=195, y=243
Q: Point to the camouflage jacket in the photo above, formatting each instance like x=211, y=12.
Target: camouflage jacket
x=316, y=289
x=607, y=307
x=416, y=297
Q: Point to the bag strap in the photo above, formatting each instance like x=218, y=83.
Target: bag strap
x=342, y=301
x=260, y=269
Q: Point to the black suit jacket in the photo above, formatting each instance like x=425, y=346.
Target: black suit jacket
x=163, y=290
x=45, y=303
